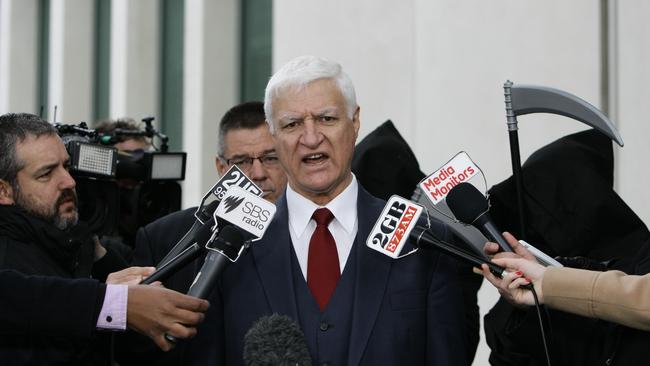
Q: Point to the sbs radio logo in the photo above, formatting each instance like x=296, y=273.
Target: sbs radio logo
x=246, y=210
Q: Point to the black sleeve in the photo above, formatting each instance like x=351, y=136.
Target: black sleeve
x=39, y=305
x=109, y=263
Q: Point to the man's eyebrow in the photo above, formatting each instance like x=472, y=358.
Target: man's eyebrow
x=49, y=166
x=290, y=116
x=237, y=156
x=330, y=110
x=45, y=168
x=265, y=152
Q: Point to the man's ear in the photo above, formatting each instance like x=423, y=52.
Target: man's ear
x=221, y=166
x=6, y=193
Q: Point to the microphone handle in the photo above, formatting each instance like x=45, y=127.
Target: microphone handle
x=487, y=227
x=182, y=244
x=214, y=264
x=421, y=234
x=175, y=264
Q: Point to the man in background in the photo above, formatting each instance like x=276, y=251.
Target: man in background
x=244, y=140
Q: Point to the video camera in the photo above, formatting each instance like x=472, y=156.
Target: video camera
x=92, y=154
x=120, y=191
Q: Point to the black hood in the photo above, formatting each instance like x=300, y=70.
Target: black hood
x=384, y=163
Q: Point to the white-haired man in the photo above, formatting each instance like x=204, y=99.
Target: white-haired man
x=355, y=306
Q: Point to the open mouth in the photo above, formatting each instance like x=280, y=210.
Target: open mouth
x=315, y=158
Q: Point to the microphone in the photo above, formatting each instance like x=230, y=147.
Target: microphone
x=470, y=206
x=275, y=340
x=398, y=223
x=225, y=249
x=250, y=216
x=183, y=258
x=203, y=220
x=423, y=238
x=234, y=177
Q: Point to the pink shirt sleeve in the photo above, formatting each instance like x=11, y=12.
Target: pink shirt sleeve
x=113, y=313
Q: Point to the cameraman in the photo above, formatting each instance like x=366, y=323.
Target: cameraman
x=40, y=232
x=141, y=201
x=124, y=143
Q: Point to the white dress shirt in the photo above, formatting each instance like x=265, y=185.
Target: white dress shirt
x=343, y=227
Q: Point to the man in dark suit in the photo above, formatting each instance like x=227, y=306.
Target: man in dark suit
x=354, y=305
x=244, y=140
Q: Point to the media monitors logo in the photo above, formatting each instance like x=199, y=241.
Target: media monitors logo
x=459, y=169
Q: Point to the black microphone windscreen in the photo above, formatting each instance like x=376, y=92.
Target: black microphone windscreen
x=230, y=241
x=275, y=340
x=466, y=202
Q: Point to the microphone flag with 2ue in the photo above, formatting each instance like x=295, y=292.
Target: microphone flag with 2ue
x=192, y=244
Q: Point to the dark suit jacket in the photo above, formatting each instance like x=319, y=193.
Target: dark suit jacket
x=49, y=306
x=405, y=312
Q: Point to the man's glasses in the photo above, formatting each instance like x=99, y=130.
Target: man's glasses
x=245, y=163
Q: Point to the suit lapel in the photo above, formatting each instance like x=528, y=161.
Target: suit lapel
x=272, y=258
x=373, y=270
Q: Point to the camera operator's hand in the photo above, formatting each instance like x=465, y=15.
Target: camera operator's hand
x=129, y=276
x=155, y=311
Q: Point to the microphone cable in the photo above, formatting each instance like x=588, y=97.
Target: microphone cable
x=541, y=324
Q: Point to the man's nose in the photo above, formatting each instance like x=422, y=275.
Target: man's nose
x=67, y=182
x=258, y=170
x=311, y=136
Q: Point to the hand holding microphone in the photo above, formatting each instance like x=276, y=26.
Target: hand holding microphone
x=522, y=269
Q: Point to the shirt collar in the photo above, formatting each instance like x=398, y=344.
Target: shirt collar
x=343, y=207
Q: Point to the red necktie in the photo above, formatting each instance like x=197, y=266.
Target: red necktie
x=323, y=261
